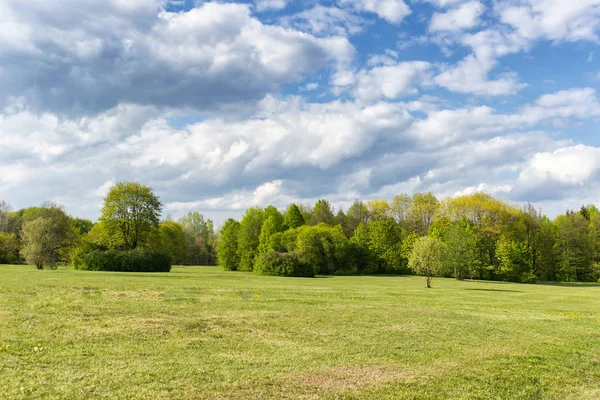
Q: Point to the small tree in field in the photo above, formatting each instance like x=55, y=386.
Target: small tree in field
x=40, y=242
x=428, y=258
x=131, y=214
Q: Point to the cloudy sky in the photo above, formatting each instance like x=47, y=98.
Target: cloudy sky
x=220, y=106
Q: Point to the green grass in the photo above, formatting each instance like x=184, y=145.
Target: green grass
x=198, y=332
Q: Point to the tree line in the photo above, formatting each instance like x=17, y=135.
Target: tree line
x=45, y=236
x=472, y=236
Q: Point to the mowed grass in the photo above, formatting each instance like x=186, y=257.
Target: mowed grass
x=201, y=333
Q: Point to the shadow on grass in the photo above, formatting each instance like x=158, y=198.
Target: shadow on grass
x=570, y=284
x=497, y=290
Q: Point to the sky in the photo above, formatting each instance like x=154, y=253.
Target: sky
x=221, y=106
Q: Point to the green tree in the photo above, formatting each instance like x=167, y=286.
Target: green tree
x=400, y=207
x=575, y=249
x=324, y=247
x=293, y=217
x=269, y=228
x=9, y=248
x=322, y=213
x=131, y=214
x=81, y=226
x=272, y=212
x=248, y=241
x=428, y=258
x=422, y=212
x=357, y=214
x=42, y=239
x=461, y=241
x=227, y=250
x=200, y=237
x=515, y=261
x=173, y=241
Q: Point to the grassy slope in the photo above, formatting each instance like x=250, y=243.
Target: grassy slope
x=199, y=332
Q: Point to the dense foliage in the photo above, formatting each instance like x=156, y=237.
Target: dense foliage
x=283, y=264
x=137, y=260
x=481, y=237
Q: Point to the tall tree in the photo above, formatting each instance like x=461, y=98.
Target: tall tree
x=173, y=241
x=293, y=217
x=422, y=212
x=322, y=213
x=200, y=239
x=357, y=214
x=272, y=211
x=461, y=241
x=400, y=207
x=248, y=240
x=131, y=214
x=229, y=257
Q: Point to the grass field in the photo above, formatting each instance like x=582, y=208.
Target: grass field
x=200, y=333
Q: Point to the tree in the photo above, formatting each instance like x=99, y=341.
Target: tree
x=59, y=225
x=461, y=241
x=379, y=209
x=200, y=239
x=293, y=217
x=400, y=207
x=248, y=240
x=380, y=244
x=324, y=247
x=229, y=258
x=5, y=210
x=322, y=213
x=357, y=214
x=269, y=228
x=41, y=242
x=272, y=212
x=173, y=241
x=81, y=226
x=131, y=214
x=9, y=248
x=515, y=260
x=574, y=247
x=428, y=258
x=421, y=212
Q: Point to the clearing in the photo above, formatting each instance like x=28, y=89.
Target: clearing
x=199, y=332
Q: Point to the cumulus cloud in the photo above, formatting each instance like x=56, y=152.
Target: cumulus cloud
x=95, y=57
x=552, y=19
x=465, y=16
x=304, y=150
x=264, y=5
x=326, y=21
x=392, y=11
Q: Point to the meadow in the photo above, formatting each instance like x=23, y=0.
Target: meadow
x=202, y=333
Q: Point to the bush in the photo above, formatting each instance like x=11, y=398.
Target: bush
x=138, y=260
x=283, y=264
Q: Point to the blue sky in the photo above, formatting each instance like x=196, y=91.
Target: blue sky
x=220, y=106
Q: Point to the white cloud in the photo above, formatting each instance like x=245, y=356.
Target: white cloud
x=264, y=5
x=392, y=81
x=471, y=75
x=392, y=11
x=556, y=20
x=93, y=57
x=326, y=21
x=464, y=16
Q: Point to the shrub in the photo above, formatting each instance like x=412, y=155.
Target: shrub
x=138, y=260
x=283, y=264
